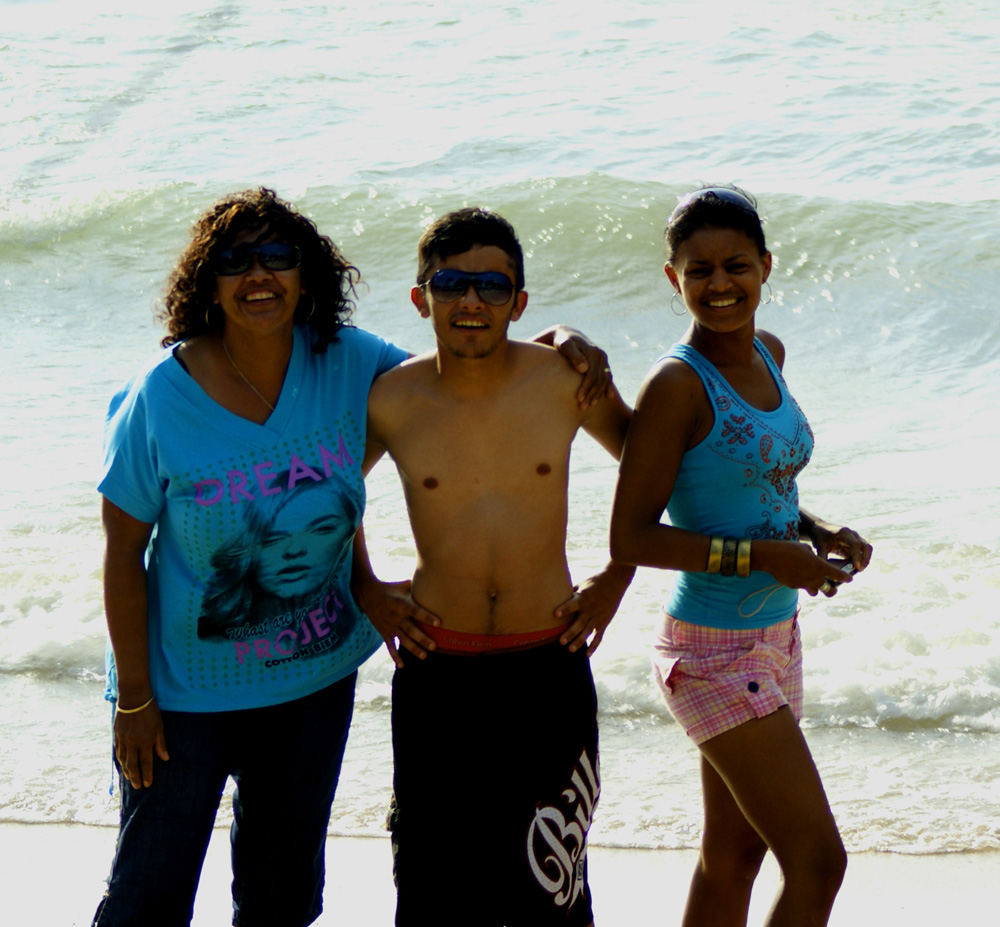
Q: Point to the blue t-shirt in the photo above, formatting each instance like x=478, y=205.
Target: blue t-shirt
x=250, y=562
x=739, y=482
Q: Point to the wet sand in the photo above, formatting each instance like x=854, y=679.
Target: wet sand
x=53, y=875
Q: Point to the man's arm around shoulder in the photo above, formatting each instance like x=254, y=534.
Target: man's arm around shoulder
x=607, y=422
x=596, y=600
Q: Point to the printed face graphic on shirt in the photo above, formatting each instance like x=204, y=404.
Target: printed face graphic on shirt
x=281, y=563
x=300, y=548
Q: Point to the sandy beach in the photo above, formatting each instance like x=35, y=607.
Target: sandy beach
x=863, y=131
x=630, y=886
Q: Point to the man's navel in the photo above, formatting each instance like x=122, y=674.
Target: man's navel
x=431, y=482
x=543, y=469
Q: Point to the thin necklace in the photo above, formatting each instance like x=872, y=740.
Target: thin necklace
x=244, y=378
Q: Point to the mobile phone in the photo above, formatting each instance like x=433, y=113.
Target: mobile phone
x=847, y=566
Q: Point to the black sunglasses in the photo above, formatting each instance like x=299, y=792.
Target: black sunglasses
x=493, y=288
x=275, y=255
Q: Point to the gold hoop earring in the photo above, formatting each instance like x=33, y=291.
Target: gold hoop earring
x=208, y=321
x=312, y=306
x=770, y=294
x=672, y=309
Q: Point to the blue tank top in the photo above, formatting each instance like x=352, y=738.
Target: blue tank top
x=739, y=482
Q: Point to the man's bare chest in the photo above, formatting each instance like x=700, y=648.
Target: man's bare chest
x=485, y=452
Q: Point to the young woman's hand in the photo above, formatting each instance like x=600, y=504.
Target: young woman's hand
x=794, y=564
x=837, y=541
x=593, y=605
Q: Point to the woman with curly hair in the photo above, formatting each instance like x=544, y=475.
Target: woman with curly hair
x=260, y=394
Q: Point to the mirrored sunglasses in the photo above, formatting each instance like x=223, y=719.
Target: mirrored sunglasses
x=276, y=255
x=493, y=288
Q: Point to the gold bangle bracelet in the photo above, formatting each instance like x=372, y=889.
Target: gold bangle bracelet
x=743, y=558
x=714, y=555
x=133, y=711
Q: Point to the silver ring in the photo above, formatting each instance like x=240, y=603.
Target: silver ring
x=827, y=587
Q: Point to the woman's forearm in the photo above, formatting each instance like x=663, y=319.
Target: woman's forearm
x=660, y=546
x=126, y=602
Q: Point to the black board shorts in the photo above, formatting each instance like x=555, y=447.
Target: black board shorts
x=496, y=779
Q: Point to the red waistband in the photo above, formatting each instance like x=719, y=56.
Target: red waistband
x=461, y=642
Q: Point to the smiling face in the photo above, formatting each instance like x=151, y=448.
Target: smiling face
x=259, y=301
x=719, y=273
x=469, y=327
x=301, y=548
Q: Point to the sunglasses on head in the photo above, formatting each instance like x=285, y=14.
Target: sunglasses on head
x=493, y=288
x=276, y=255
x=727, y=195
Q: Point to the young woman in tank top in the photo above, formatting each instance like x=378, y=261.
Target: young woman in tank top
x=717, y=442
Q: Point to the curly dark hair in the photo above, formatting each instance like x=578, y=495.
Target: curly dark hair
x=326, y=274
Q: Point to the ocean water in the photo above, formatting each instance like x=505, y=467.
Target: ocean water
x=869, y=132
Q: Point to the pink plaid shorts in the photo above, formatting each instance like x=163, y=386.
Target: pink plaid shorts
x=715, y=679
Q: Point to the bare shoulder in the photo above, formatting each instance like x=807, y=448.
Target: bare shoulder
x=394, y=384
x=672, y=404
x=538, y=355
x=670, y=379
x=774, y=346
x=553, y=386
x=394, y=398
x=545, y=368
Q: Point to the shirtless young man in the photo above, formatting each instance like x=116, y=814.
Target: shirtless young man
x=494, y=712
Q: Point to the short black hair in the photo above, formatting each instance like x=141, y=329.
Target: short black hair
x=460, y=231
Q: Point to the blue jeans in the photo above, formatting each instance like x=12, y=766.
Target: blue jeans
x=286, y=761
